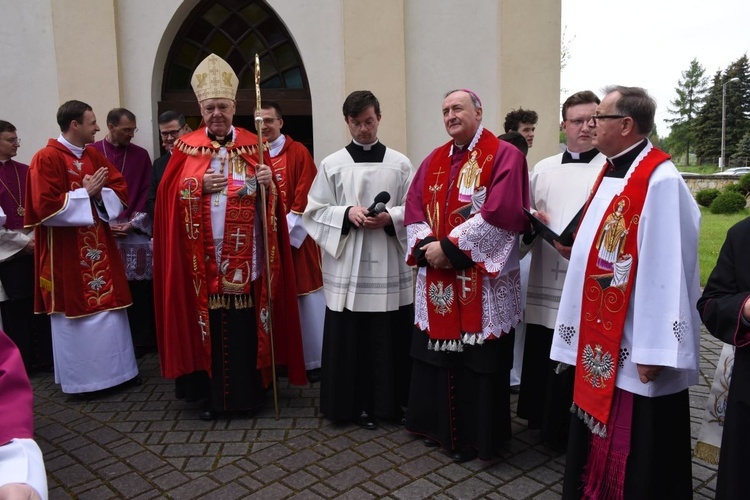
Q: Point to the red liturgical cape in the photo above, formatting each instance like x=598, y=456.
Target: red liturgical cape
x=186, y=279
x=79, y=271
x=294, y=172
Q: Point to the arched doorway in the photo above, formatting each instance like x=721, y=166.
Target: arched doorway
x=236, y=30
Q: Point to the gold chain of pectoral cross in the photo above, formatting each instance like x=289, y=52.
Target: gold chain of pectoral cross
x=19, y=206
x=223, y=160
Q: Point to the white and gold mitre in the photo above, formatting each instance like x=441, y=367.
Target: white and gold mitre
x=214, y=79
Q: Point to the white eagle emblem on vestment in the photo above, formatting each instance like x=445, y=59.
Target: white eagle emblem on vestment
x=598, y=366
x=441, y=299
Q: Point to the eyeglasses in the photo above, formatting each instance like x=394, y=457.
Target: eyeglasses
x=129, y=130
x=578, y=122
x=594, y=118
x=369, y=123
x=269, y=121
x=14, y=140
x=167, y=133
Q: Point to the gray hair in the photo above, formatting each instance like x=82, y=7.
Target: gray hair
x=637, y=104
x=474, y=98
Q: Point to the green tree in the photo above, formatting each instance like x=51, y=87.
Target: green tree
x=743, y=150
x=691, y=90
x=708, y=121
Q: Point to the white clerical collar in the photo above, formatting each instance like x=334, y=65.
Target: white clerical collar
x=472, y=143
x=277, y=145
x=366, y=147
x=626, y=150
x=230, y=134
x=574, y=155
x=78, y=151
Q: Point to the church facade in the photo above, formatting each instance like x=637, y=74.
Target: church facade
x=139, y=54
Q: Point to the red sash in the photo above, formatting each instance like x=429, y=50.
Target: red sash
x=610, y=274
x=455, y=298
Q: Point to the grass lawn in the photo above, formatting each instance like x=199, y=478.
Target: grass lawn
x=713, y=232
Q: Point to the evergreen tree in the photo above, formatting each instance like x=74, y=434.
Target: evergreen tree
x=708, y=121
x=743, y=150
x=691, y=90
x=738, y=104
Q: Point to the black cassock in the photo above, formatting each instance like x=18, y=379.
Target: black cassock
x=720, y=308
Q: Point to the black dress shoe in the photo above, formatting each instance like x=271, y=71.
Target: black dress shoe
x=208, y=415
x=464, y=455
x=367, y=422
x=313, y=375
x=430, y=443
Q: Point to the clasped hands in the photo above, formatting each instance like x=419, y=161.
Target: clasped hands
x=214, y=182
x=359, y=218
x=435, y=256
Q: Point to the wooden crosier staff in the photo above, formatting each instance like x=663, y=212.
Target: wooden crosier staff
x=258, y=129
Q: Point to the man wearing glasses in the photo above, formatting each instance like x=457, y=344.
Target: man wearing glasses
x=559, y=186
x=132, y=228
x=29, y=331
x=367, y=284
x=294, y=170
x=627, y=317
x=172, y=125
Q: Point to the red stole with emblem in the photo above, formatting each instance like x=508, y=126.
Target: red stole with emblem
x=610, y=273
x=454, y=299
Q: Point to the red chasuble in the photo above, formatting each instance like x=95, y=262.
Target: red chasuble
x=294, y=172
x=187, y=281
x=78, y=269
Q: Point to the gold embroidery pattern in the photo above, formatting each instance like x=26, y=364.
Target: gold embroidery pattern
x=97, y=280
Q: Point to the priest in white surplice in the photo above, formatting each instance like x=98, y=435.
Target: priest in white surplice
x=632, y=331
x=72, y=193
x=367, y=284
x=559, y=186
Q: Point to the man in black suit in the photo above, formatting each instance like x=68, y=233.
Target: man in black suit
x=171, y=126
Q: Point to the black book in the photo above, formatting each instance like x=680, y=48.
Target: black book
x=565, y=238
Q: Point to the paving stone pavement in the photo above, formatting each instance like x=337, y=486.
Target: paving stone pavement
x=142, y=443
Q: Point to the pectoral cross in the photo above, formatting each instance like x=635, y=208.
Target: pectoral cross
x=463, y=279
x=557, y=271
x=369, y=260
x=238, y=236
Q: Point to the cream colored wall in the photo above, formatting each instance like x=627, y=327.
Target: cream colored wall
x=375, y=59
x=407, y=52
x=86, y=52
x=28, y=78
x=317, y=28
x=530, y=68
x=448, y=46
x=145, y=30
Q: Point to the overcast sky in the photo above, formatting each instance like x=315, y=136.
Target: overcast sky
x=649, y=43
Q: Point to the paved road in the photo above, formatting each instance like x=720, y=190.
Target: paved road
x=142, y=443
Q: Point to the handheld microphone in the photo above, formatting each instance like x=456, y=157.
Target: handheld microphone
x=379, y=208
x=382, y=197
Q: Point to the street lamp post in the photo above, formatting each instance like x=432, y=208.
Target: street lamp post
x=724, y=119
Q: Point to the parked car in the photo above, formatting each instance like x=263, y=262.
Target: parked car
x=735, y=171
